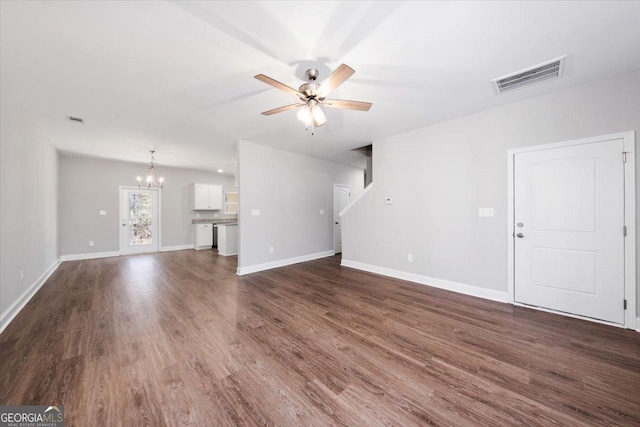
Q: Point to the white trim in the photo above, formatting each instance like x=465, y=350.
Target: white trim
x=460, y=288
x=628, y=138
x=233, y=254
x=630, y=272
x=175, y=248
x=132, y=187
x=334, y=214
x=552, y=145
x=91, y=255
x=12, y=311
x=638, y=324
x=283, y=262
x=355, y=200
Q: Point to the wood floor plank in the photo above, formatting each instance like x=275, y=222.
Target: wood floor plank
x=179, y=339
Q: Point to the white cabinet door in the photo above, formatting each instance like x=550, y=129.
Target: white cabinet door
x=569, y=244
x=215, y=197
x=203, y=236
x=200, y=197
x=207, y=197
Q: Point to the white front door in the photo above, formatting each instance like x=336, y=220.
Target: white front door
x=568, y=222
x=341, y=196
x=139, y=218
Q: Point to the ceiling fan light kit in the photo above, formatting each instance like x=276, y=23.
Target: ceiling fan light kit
x=313, y=95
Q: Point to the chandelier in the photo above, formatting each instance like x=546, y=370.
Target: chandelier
x=151, y=178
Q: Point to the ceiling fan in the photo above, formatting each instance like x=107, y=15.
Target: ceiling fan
x=312, y=95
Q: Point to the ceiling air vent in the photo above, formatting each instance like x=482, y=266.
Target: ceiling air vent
x=539, y=73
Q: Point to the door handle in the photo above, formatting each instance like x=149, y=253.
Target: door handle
x=520, y=235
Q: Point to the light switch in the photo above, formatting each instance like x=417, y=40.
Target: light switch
x=321, y=211
x=103, y=213
x=255, y=212
x=486, y=212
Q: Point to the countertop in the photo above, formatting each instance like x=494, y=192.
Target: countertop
x=227, y=221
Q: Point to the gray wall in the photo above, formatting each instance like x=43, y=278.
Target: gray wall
x=88, y=185
x=28, y=202
x=289, y=190
x=439, y=176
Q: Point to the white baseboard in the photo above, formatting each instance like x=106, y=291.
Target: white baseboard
x=461, y=288
x=15, y=308
x=92, y=255
x=175, y=248
x=282, y=262
x=638, y=324
x=220, y=253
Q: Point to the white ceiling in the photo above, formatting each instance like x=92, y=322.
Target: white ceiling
x=178, y=76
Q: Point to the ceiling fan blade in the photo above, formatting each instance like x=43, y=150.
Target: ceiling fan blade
x=348, y=105
x=281, y=109
x=335, y=79
x=277, y=84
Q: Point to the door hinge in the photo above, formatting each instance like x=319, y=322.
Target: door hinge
x=624, y=230
x=624, y=157
x=625, y=304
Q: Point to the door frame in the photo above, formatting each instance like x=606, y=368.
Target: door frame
x=629, y=142
x=333, y=207
x=135, y=187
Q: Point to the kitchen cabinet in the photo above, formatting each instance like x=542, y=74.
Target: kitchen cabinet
x=203, y=236
x=207, y=197
x=228, y=239
x=231, y=202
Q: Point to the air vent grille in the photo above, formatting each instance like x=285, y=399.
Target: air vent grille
x=539, y=73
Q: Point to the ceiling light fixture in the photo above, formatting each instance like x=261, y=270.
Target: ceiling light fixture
x=312, y=115
x=220, y=170
x=151, y=178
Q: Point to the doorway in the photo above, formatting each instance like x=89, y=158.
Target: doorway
x=572, y=228
x=341, y=197
x=139, y=220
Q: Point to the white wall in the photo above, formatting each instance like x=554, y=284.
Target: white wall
x=28, y=205
x=439, y=176
x=88, y=185
x=289, y=190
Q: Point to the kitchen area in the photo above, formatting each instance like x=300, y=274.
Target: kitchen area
x=221, y=230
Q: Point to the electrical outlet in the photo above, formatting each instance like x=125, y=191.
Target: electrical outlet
x=388, y=201
x=103, y=212
x=255, y=212
x=21, y=275
x=321, y=211
x=270, y=249
x=410, y=257
x=91, y=243
x=197, y=215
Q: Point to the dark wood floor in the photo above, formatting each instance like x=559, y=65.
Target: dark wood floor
x=178, y=339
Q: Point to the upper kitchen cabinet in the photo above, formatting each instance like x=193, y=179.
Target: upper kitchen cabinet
x=207, y=197
x=231, y=202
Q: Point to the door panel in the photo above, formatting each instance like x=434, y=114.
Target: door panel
x=341, y=197
x=569, y=244
x=139, y=231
